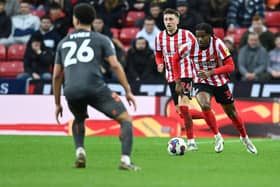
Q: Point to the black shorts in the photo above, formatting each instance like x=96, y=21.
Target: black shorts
x=105, y=101
x=222, y=94
x=187, y=85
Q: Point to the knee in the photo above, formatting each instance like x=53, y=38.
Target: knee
x=232, y=114
x=124, y=117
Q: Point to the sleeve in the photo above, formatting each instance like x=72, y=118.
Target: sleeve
x=108, y=46
x=222, y=50
x=262, y=61
x=241, y=61
x=228, y=66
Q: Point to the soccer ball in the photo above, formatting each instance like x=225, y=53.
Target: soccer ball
x=176, y=146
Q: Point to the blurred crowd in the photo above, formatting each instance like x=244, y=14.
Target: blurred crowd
x=249, y=28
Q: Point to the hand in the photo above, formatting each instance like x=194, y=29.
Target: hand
x=58, y=112
x=131, y=100
x=275, y=74
x=250, y=76
x=35, y=76
x=179, y=88
x=205, y=74
x=160, y=68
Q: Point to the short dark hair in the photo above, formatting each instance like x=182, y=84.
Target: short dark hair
x=46, y=17
x=149, y=18
x=85, y=13
x=171, y=11
x=3, y=1
x=26, y=1
x=205, y=27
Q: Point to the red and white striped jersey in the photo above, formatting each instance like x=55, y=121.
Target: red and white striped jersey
x=168, y=45
x=207, y=59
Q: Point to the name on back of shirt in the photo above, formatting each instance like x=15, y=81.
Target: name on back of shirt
x=79, y=35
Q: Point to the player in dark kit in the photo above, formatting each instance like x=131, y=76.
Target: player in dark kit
x=77, y=58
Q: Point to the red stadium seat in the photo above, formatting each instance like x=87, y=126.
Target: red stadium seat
x=219, y=32
x=39, y=13
x=237, y=34
x=273, y=29
x=16, y=52
x=2, y=52
x=272, y=18
x=128, y=34
x=11, y=69
x=116, y=32
x=132, y=17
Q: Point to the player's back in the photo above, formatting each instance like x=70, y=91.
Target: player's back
x=80, y=54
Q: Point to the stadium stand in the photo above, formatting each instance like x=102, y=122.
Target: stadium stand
x=2, y=52
x=127, y=34
x=272, y=18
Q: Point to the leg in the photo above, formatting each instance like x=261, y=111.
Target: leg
x=204, y=100
x=203, y=96
x=110, y=104
x=79, y=110
x=231, y=112
x=224, y=96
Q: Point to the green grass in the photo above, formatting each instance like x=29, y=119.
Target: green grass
x=33, y=161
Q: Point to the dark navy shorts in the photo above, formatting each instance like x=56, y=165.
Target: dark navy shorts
x=222, y=94
x=105, y=101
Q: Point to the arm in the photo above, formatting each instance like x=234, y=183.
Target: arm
x=228, y=67
x=262, y=61
x=57, y=82
x=242, y=61
x=119, y=72
x=159, y=61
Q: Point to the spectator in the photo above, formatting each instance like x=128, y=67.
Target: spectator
x=273, y=5
x=12, y=7
x=112, y=12
x=37, y=60
x=253, y=59
x=241, y=12
x=99, y=26
x=266, y=37
x=50, y=36
x=216, y=13
x=274, y=60
x=5, y=21
x=188, y=18
x=140, y=65
x=23, y=25
x=229, y=42
x=149, y=31
x=60, y=21
x=155, y=12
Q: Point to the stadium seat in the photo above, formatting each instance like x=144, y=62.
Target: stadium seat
x=272, y=18
x=128, y=34
x=273, y=29
x=2, y=52
x=237, y=34
x=132, y=17
x=39, y=13
x=116, y=32
x=11, y=69
x=16, y=52
x=219, y=32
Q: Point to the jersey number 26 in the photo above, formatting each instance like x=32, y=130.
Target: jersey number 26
x=84, y=53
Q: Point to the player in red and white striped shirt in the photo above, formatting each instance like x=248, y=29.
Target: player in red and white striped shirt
x=212, y=63
x=166, y=44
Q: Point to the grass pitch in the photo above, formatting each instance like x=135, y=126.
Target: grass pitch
x=34, y=161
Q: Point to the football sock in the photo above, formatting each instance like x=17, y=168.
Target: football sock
x=78, y=130
x=239, y=125
x=125, y=159
x=126, y=137
x=211, y=121
x=196, y=114
x=188, y=121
